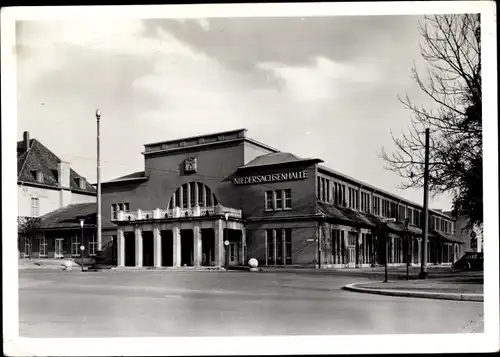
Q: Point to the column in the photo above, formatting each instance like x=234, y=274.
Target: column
x=181, y=197
x=197, y=245
x=120, y=241
x=274, y=246
x=188, y=195
x=157, y=246
x=175, y=201
x=392, y=250
x=138, y=247
x=243, y=245
x=196, y=194
x=358, y=250
x=176, y=237
x=219, y=242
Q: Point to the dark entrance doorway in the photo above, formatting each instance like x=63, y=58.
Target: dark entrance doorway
x=147, y=249
x=167, y=251
x=207, y=247
x=129, y=249
x=187, y=246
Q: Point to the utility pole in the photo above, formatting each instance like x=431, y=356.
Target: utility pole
x=99, y=238
x=423, y=266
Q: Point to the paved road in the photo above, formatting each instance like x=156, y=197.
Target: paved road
x=159, y=303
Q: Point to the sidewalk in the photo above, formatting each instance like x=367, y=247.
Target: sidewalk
x=464, y=288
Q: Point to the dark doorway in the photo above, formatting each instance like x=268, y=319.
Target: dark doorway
x=207, y=247
x=187, y=246
x=114, y=250
x=147, y=249
x=167, y=251
x=129, y=249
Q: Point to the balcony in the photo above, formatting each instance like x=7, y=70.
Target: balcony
x=177, y=212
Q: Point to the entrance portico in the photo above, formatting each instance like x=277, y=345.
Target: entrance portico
x=186, y=240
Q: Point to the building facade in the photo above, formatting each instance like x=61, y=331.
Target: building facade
x=222, y=198
x=45, y=183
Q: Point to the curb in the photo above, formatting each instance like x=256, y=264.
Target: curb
x=416, y=294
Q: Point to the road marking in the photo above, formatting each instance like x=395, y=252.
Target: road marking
x=173, y=296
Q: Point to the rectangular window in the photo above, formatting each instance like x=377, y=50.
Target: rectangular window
x=192, y=195
x=352, y=238
x=319, y=188
x=279, y=199
x=92, y=245
x=43, y=246
x=35, y=207
x=200, y=194
x=270, y=246
x=328, y=191
x=279, y=246
x=288, y=246
x=114, y=211
x=208, y=197
x=39, y=176
x=75, y=245
x=184, y=196
x=288, y=198
x=269, y=200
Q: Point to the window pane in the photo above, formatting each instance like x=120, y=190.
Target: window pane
x=288, y=246
x=279, y=246
x=279, y=199
x=288, y=198
x=270, y=247
x=269, y=200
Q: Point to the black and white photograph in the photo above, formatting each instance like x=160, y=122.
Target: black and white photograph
x=248, y=179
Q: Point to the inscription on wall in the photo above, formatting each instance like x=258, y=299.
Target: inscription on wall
x=267, y=178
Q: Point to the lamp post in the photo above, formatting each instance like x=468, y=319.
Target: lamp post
x=423, y=268
x=226, y=242
x=98, y=117
x=407, y=222
x=82, y=247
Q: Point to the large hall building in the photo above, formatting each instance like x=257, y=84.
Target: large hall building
x=223, y=198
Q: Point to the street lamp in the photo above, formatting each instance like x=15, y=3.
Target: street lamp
x=226, y=242
x=98, y=117
x=386, y=245
x=407, y=222
x=82, y=247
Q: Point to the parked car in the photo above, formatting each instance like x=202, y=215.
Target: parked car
x=469, y=261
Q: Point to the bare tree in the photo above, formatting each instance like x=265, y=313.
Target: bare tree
x=452, y=49
x=29, y=228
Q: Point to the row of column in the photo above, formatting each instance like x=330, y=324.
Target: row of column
x=176, y=236
x=367, y=254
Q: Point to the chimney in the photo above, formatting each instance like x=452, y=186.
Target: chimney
x=26, y=140
x=63, y=174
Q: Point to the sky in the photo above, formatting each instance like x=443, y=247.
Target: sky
x=324, y=87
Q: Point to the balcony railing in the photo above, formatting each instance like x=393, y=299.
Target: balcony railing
x=177, y=212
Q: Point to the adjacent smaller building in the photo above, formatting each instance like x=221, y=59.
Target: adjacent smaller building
x=61, y=234
x=45, y=182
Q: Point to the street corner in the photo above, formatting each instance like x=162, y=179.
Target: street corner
x=384, y=288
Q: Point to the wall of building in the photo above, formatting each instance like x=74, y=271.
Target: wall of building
x=304, y=249
x=48, y=199
x=252, y=197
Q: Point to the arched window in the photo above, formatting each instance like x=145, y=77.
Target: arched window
x=192, y=194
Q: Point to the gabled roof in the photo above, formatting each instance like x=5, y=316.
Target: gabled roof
x=69, y=216
x=276, y=158
x=135, y=176
x=40, y=158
